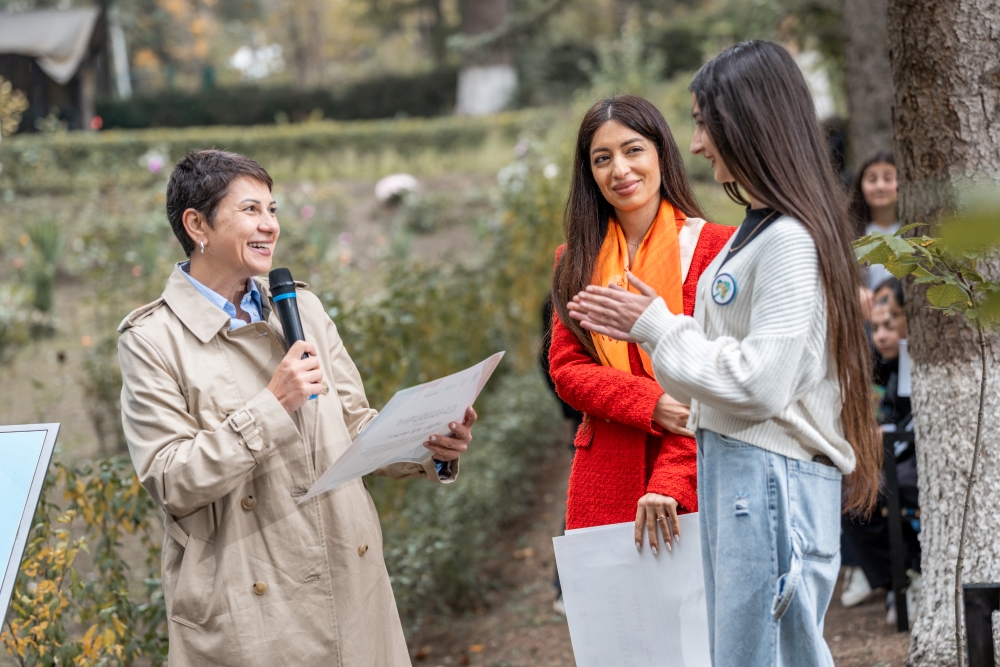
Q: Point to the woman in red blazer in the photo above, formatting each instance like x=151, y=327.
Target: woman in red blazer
x=630, y=208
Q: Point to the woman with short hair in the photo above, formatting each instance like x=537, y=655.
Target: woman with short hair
x=630, y=208
x=774, y=362
x=227, y=430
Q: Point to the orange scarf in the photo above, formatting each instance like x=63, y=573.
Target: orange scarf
x=657, y=263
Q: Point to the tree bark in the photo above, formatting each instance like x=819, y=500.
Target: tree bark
x=487, y=80
x=868, y=77
x=945, y=56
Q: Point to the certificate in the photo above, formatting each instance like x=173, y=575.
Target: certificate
x=629, y=608
x=404, y=424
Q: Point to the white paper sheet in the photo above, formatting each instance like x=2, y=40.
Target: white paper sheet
x=631, y=608
x=904, y=383
x=406, y=421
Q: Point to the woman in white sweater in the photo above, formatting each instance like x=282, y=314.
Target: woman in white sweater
x=774, y=364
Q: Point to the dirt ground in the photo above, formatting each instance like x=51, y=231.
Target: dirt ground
x=520, y=628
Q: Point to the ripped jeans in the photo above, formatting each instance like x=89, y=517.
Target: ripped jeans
x=770, y=544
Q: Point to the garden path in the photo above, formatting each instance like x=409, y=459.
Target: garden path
x=519, y=628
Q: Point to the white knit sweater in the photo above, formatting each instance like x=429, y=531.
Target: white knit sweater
x=758, y=368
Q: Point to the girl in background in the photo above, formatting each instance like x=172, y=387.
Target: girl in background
x=774, y=363
x=873, y=205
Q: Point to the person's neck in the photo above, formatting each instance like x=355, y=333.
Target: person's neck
x=637, y=222
x=755, y=203
x=884, y=216
x=232, y=288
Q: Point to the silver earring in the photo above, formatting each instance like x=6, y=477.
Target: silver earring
x=202, y=247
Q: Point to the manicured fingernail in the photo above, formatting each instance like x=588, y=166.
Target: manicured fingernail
x=433, y=438
x=653, y=549
x=451, y=425
x=638, y=547
x=677, y=538
x=669, y=548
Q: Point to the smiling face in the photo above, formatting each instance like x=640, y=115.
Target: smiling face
x=625, y=166
x=241, y=241
x=702, y=144
x=878, y=185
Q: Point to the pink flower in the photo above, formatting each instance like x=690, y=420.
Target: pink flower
x=308, y=212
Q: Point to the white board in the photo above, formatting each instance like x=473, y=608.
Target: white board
x=25, y=452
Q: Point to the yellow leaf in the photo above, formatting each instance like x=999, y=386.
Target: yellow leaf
x=119, y=626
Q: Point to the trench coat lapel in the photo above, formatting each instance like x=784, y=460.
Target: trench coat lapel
x=202, y=317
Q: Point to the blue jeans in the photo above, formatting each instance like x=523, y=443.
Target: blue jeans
x=770, y=544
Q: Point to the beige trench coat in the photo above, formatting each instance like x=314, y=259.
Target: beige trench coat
x=250, y=577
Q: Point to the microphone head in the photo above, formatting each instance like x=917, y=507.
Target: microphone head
x=280, y=281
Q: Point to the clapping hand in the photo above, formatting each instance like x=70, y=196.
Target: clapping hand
x=612, y=310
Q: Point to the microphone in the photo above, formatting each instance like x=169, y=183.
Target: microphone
x=283, y=295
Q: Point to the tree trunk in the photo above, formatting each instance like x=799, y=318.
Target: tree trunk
x=868, y=77
x=945, y=56
x=487, y=81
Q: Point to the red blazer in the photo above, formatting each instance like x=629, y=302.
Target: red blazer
x=620, y=453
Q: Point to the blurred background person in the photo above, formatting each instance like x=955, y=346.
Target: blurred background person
x=873, y=205
x=630, y=207
x=866, y=540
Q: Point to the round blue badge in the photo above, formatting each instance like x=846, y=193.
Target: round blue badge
x=723, y=289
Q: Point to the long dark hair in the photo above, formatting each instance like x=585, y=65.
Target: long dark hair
x=585, y=221
x=861, y=212
x=757, y=109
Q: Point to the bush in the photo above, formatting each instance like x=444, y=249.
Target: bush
x=58, y=617
x=424, y=95
x=16, y=319
x=438, y=537
x=128, y=159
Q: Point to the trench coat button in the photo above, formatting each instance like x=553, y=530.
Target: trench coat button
x=259, y=588
x=362, y=549
x=248, y=503
x=608, y=420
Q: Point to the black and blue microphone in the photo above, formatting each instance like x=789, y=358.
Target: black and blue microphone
x=283, y=294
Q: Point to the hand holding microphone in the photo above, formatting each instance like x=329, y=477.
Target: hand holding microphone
x=298, y=377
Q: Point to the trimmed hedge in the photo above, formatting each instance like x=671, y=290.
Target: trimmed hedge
x=431, y=94
x=75, y=161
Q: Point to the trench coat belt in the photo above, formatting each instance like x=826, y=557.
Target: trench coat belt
x=176, y=531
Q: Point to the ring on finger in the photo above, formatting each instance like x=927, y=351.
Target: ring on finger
x=661, y=518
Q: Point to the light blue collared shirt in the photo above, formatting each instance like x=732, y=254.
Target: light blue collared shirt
x=250, y=303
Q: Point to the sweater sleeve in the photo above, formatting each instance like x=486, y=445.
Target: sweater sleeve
x=757, y=377
x=597, y=390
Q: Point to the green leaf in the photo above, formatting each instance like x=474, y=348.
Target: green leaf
x=947, y=296
x=913, y=225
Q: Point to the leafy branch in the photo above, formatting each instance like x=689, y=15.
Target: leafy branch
x=950, y=268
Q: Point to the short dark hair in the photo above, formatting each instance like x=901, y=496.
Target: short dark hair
x=200, y=181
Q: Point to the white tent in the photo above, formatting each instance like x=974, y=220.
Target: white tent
x=59, y=41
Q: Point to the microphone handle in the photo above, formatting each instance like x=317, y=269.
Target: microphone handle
x=288, y=313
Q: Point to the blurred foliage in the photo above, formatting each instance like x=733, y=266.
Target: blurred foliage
x=13, y=104
x=16, y=318
x=438, y=537
x=627, y=64
x=429, y=94
x=47, y=242
x=951, y=267
x=57, y=615
x=79, y=162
